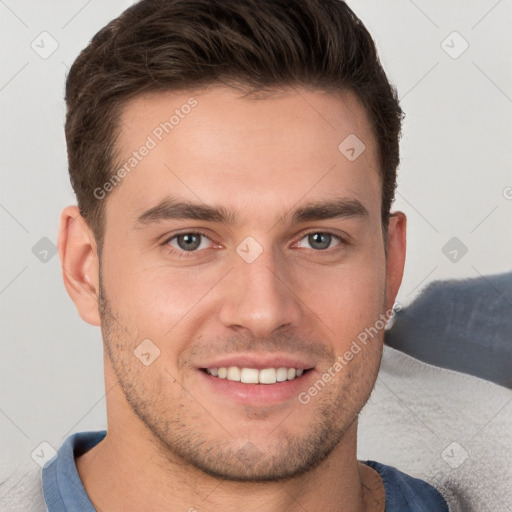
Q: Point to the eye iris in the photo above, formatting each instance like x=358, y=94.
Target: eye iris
x=322, y=239
x=189, y=241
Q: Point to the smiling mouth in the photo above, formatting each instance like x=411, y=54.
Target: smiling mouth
x=256, y=376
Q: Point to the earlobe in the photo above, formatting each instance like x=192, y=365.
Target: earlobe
x=397, y=240
x=79, y=262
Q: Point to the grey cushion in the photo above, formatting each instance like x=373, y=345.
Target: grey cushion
x=463, y=325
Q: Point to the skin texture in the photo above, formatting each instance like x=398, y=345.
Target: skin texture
x=173, y=442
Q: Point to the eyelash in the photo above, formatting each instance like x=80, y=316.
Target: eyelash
x=188, y=254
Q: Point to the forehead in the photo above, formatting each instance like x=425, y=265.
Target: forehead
x=218, y=146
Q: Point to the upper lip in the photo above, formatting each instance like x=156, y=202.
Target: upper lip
x=259, y=361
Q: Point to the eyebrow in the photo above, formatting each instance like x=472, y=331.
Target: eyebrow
x=173, y=209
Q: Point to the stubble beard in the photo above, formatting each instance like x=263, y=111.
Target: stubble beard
x=182, y=436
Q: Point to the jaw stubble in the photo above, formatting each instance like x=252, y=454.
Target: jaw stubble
x=181, y=428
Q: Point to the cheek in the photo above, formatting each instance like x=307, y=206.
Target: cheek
x=157, y=298
x=347, y=298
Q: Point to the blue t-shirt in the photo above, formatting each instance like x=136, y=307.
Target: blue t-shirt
x=64, y=492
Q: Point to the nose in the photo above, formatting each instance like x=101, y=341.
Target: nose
x=259, y=297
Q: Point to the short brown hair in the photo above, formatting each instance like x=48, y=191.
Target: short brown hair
x=181, y=45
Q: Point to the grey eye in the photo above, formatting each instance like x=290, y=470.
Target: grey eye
x=188, y=241
x=319, y=241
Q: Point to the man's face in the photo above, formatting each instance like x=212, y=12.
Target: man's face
x=264, y=289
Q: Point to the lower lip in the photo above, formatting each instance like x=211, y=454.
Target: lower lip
x=259, y=394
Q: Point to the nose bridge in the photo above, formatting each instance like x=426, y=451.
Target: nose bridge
x=259, y=297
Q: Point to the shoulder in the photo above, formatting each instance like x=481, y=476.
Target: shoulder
x=22, y=491
x=405, y=493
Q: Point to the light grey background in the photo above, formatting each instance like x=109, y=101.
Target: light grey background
x=455, y=181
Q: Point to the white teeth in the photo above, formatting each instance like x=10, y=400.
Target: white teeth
x=268, y=376
x=255, y=376
x=233, y=373
x=282, y=374
x=249, y=375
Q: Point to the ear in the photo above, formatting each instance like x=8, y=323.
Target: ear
x=80, y=265
x=395, y=263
